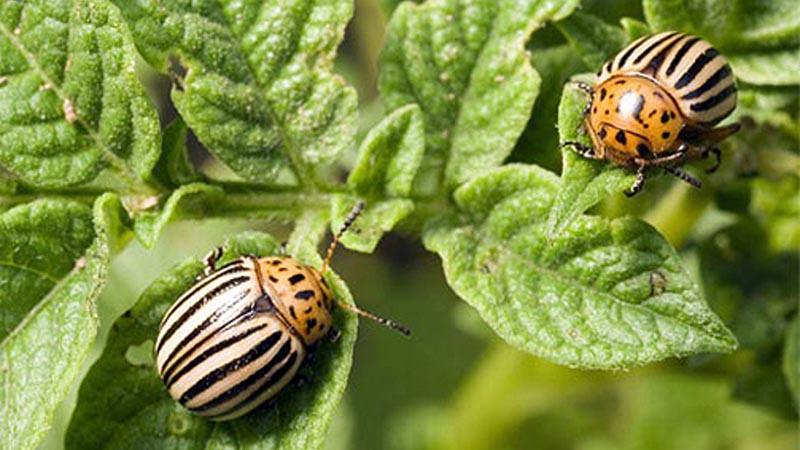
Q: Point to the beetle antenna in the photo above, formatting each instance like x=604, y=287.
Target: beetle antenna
x=347, y=222
x=381, y=320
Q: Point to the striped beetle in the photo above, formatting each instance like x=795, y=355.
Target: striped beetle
x=239, y=335
x=656, y=103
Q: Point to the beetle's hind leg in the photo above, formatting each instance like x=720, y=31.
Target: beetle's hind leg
x=210, y=261
x=683, y=175
x=587, y=151
x=717, y=158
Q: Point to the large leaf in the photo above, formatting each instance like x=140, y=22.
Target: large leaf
x=70, y=103
x=54, y=267
x=594, y=40
x=259, y=92
x=464, y=62
x=388, y=161
x=759, y=38
x=603, y=294
x=122, y=402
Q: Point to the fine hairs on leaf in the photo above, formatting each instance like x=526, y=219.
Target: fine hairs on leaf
x=556, y=264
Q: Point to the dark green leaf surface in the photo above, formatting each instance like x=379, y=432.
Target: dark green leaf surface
x=464, y=62
x=759, y=38
x=603, y=294
x=70, y=98
x=594, y=40
x=51, y=278
x=259, y=92
x=584, y=181
x=382, y=177
x=138, y=413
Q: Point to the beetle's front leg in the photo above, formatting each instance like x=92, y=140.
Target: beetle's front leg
x=584, y=150
x=717, y=158
x=637, y=185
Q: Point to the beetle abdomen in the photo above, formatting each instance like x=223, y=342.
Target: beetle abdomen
x=698, y=78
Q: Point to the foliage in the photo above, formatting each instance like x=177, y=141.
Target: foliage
x=560, y=266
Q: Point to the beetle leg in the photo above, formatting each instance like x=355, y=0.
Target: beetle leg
x=582, y=149
x=210, y=261
x=717, y=158
x=581, y=86
x=683, y=175
x=334, y=334
x=637, y=185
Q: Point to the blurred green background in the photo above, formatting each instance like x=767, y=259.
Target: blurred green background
x=453, y=385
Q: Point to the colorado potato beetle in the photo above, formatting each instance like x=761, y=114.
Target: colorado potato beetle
x=240, y=334
x=656, y=104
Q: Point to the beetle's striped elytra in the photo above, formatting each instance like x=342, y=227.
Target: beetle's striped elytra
x=656, y=103
x=240, y=334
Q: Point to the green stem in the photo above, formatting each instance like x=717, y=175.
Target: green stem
x=505, y=388
x=675, y=215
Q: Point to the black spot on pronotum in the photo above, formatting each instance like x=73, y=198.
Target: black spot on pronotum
x=607, y=112
x=594, y=110
x=282, y=269
x=276, y=262
x=304, y=295
x=602, y=134
x=652, y=113
x=603, y=93
x=311, y=323
x=292, y=313
x=619, y=82
x=665, y=135
x=643, y=150
x=664, y=117
x=273, y=279
x=620, y=137
x=294, y=279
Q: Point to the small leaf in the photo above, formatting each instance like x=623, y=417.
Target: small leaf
x=603, y=294
x=584, y=181
x=758, y=38
x=51, y=276
x=777, y=204
x=197, y=197
x=791, y=361
x=594, y=40
x=464, y=62
x=382, y=177
x=71, y=102
x=174, y=168
x=259, y=92
x=390, y=155
x=137, y=410
x=376, y=220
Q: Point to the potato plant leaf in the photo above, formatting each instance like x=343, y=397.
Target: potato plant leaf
x=54, y=265
x=137, y=412
x=594, y=40
x=465, y=63
x=603, y=294
x=70, y=100
x=382, y=177
x=258, y=92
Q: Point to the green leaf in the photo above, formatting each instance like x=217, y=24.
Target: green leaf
x=390, y=155
x=791, y=361
x=376, y=220
x=174, y=168
x=594, y=40
x=464, y=62
x=584, y=181
x=777, y=204
x=138, y=412
x=383, y=176
x=759, y=38
x=259, y=92
x=634, y=29
x=71, y=102
x=196, y=197
x=55, y=265
x=603, y=294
